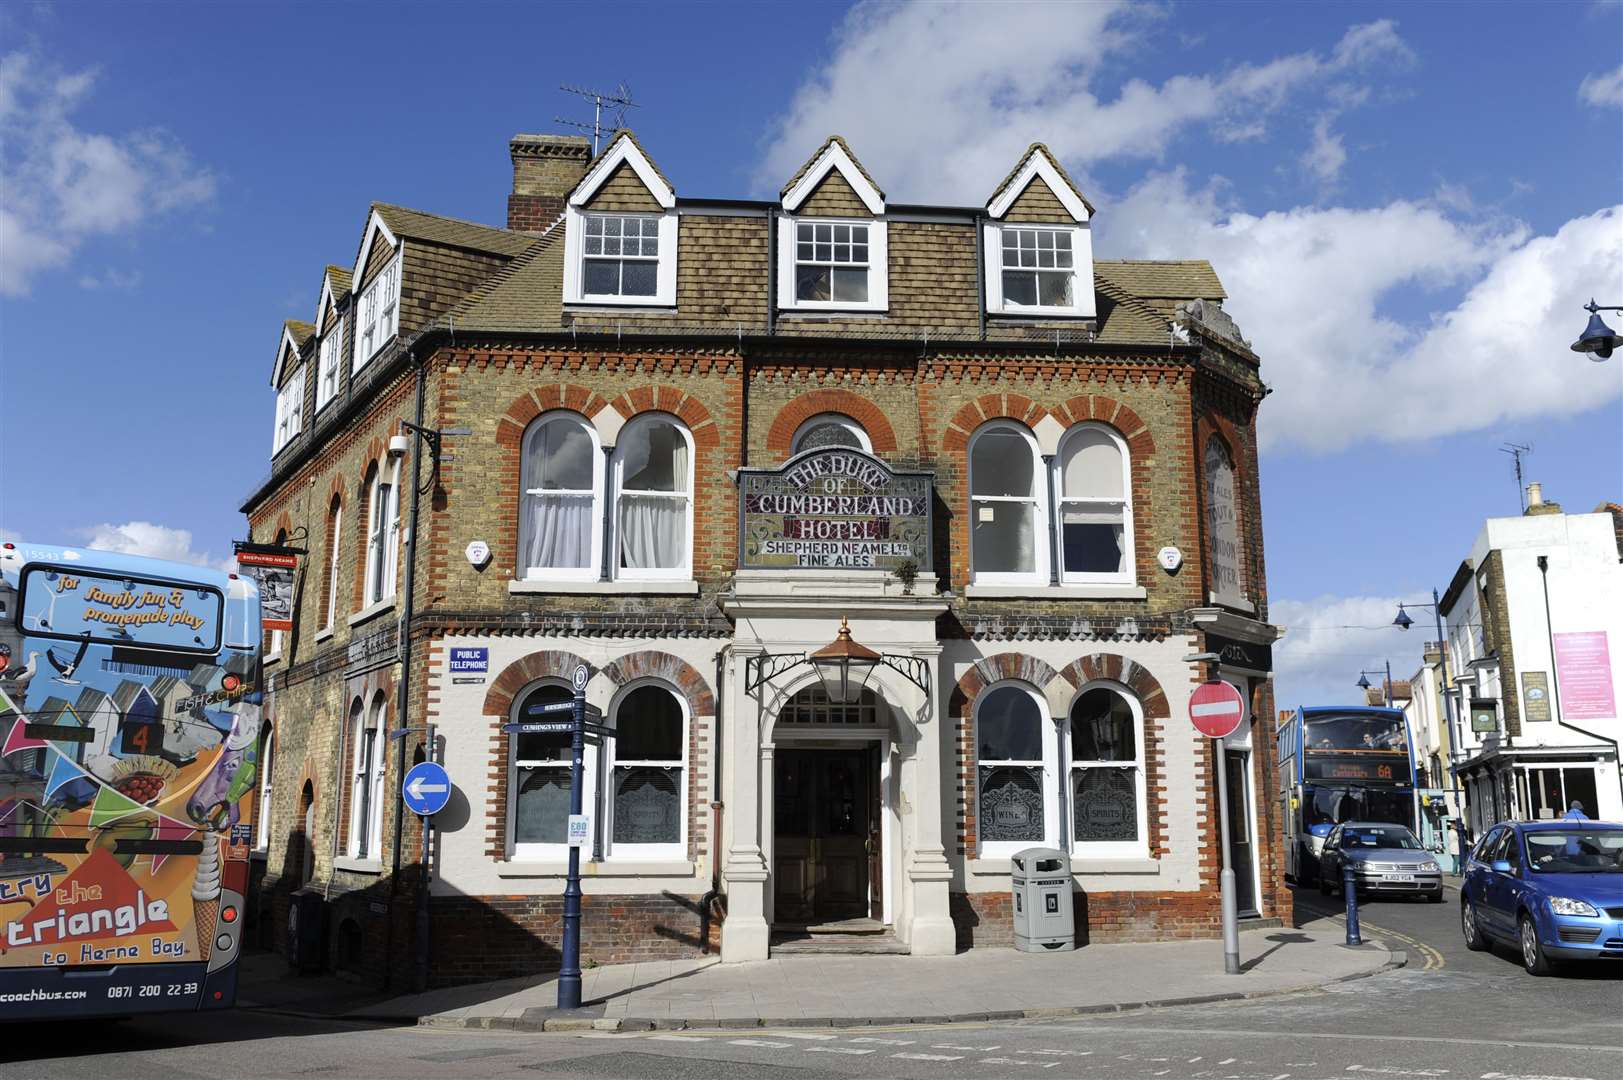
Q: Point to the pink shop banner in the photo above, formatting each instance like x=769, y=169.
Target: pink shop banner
x=1584, y=666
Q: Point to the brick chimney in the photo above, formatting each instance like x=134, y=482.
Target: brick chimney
x=546, y=168
x=1536, y=503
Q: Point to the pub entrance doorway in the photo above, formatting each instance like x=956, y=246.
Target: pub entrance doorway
x=826, y=836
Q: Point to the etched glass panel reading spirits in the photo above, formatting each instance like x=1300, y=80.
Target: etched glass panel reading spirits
x=648, y=768
x=1106, y=804
x=1011, y=802
x=647, y=805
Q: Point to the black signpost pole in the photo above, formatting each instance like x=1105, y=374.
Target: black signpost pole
x=569, y=973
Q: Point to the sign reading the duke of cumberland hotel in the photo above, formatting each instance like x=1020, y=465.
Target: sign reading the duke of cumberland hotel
x=833, y=509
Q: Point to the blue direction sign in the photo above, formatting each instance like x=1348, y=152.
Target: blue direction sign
x=426, y=788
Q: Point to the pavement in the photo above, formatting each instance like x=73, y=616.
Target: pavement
x=826, y=991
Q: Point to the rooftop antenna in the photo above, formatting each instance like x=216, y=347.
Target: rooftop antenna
x=619, y=100
x=1516, y=450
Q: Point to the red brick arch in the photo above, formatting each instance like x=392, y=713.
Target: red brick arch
x=1157, y=713
x=652, y=664
x=814, y=402
x=545, y=664
x=973, y=414
x=679, y=403
x=532, y=403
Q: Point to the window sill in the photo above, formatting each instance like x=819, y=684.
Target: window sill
x=272, y=658
x=999, y=867
x=358, y=866
x=324, y=635
x=813, y=314
x=603, y=304
x=1039, y=313
x=1055, y=592
x=627, y=588
x=1232, y=603
x=370, y=613
x=547, y=868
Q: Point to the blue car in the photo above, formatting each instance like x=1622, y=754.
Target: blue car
x=1553, y=888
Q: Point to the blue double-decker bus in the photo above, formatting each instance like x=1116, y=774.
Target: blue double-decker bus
x=1341, y=763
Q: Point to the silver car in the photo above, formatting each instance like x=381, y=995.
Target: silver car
x=1385, y=858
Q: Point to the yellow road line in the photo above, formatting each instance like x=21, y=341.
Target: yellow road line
x=1432, y=959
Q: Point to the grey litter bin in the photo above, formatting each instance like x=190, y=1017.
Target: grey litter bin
x=1044, y=920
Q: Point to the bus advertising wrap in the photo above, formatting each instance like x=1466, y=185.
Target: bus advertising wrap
x=129, y=746
x=835, y=509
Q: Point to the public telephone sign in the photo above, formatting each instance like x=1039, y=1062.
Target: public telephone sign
x=1216, y=709
x=833, y=508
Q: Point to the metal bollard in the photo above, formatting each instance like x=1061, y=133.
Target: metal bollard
x=1349, y=889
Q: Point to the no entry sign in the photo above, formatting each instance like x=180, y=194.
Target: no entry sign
x=1216, y=708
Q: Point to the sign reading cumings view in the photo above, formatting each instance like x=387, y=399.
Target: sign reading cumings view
x=833, y=508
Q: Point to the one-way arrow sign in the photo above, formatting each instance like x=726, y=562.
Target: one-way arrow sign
x=426, y=788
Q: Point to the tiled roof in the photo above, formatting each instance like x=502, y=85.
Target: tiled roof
x=1124, y=319
x=1036, y=148
x=341, y=283
x=1169, y=279
x=302, y=332
x=795, y=179
x=526, y=295
x=451, y=232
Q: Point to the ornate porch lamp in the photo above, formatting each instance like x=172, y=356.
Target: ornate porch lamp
x=844, y=665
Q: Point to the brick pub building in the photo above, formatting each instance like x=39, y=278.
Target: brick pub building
x=701, y=435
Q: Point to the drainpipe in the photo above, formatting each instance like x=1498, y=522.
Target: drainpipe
x=980, y=274
x=771, y=271
x=1555, y=682
x=707, y=902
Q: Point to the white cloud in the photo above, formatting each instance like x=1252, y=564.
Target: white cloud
x=1328, y=154
x=146, y=538
x=1604, y=90
x=1308, y=286
x=939, y=100
x=64, y=185
x=1329, y=640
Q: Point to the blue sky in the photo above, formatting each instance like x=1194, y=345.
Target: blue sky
x=1407, y=206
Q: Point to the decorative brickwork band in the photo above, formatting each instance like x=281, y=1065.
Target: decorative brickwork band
x=814, y=402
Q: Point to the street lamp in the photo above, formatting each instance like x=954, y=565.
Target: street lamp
x=1597, y=339
x=1363, y=681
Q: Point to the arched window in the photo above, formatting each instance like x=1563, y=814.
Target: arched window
x=538, y=778
x=1108, y=815
x=382, y=494
x=648, y=777
x=1014, y=741
x=1222, y=525
x=1092, y=480
x=367, y=731
x=653, y=483
x=1008, y=521
x=329, y=606
x=830, y=429
x=560, y=518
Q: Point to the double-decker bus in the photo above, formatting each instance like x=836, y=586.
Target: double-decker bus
x=1341, y=763
x=129, y=743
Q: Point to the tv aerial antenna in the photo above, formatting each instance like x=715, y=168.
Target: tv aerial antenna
x=1516, y=450
x=617, y=101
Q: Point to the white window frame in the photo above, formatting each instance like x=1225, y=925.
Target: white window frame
x=1108, y=849
x=335, y=545
x=1046, y=767
x=593, y=570
x=677, y=573
x=332, y=351
x=262, y=816
x=574, y=260
x=382, y=535
x=540, y=852
x=1128, y=575
x=366, y=808
x=1082, y=301
x=676, y=849
x=1038, y=498
x=838, y=419
x=377, y=318
x=878, y=265
x=289, y=411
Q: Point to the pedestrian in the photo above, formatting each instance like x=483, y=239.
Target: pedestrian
x=1575, y=812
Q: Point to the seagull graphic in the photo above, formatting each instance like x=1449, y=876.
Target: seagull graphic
x=65, y=669
x=19, y=680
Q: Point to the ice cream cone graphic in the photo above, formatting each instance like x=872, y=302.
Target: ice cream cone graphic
x=206, y=895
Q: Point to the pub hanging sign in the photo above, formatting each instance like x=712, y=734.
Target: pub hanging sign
x=833, y=509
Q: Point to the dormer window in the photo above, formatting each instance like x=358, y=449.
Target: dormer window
x=831, y=262
x=379, y=318
x=620, y=254
x=332, y=347
x=289, y=411
x=1039, y=268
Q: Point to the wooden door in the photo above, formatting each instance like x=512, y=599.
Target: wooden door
x=822, y=817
